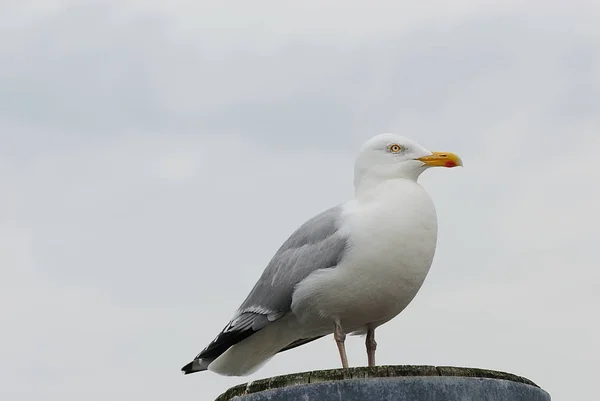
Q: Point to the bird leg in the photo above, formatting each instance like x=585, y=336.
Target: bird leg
x=340, y=337
x=371, y=346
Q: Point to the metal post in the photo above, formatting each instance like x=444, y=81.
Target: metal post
x=391, y=383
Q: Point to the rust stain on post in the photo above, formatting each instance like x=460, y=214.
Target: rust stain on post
x=363, y=373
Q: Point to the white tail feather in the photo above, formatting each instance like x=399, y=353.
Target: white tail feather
x=249, y=355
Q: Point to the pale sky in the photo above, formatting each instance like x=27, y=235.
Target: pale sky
x=154, y=155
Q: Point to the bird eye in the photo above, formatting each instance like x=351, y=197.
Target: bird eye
x=395, y=148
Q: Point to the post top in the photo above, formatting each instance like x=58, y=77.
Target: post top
x=317, y=376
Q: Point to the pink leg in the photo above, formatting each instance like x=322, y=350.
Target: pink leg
x=340, y=337
x=371, y=346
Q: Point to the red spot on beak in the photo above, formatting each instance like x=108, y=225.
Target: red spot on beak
x=450, y=163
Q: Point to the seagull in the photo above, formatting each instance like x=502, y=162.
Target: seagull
x=347, y=270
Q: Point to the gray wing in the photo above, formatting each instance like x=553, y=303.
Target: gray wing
x=317, y=244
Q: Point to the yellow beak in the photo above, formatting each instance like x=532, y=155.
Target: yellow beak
x=441, y=159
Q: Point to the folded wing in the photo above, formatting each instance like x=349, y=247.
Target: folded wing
x=317, y=244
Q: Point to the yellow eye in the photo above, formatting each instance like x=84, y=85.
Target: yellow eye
x=395, y=148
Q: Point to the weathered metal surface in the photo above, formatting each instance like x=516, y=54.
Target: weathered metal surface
x=391, y=383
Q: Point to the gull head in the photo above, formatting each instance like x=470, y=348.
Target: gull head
x=390, y=156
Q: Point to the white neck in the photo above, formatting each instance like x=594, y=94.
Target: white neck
x=366, y=179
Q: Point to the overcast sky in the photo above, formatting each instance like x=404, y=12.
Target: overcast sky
x=154, y=155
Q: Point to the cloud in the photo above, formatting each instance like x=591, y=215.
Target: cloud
x=154, y=156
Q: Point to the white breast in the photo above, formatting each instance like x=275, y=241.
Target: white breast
x=393, y=233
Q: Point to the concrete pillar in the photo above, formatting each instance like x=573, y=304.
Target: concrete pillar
x=391, y=383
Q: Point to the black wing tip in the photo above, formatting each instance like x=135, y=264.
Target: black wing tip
x=187, y=369
x=190, y=368
x=224, y=341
